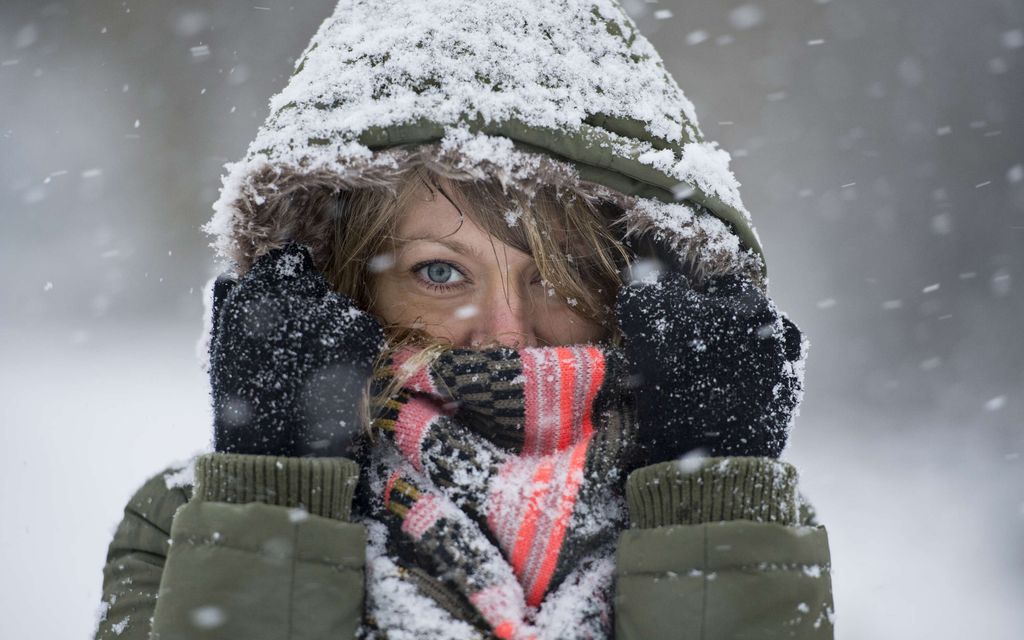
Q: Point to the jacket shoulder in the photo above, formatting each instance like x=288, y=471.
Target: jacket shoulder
x=137, y=553
x=152, y=506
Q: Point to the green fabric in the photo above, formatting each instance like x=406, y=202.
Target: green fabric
x=135, y=560
x=736, y=579
x=254, y=570
x=717, y=552
x=588, y=149
x=197, y=566
x=322, y=486
x=715, y=489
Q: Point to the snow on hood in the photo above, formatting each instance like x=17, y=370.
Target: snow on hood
x=528, y=91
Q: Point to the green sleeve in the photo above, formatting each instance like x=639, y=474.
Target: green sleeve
x=263, y=549
x=720, y=549
x=136, y=558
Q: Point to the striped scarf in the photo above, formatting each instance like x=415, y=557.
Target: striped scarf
x=499, y=474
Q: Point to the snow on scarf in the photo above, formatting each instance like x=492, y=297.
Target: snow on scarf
x=499, y=473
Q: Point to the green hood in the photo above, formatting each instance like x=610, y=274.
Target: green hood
x=528, y=91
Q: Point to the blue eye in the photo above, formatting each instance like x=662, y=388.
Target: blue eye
x=439, y=273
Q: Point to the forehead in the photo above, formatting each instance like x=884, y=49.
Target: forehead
x=433, y=208
x=435, y=219
x=428, y=214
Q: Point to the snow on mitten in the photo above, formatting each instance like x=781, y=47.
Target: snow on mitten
x=719, y=370
x=289, y=360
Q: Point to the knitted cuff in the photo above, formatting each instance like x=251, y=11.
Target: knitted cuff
x=321, y=486
x=715, y=490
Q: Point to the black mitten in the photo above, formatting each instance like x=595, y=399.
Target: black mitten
x=718, y=370
x=289, y=360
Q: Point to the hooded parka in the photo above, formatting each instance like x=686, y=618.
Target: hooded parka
x=530, y=92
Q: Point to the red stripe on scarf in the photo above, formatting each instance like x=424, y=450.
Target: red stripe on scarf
x=559, y=389
x=554, y=546
x=568, y=377
x=395, y=475
x=497, y=605
x=528, y=527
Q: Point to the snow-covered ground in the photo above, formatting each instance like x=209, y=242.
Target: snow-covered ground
x=86, y=420
x=925, y=520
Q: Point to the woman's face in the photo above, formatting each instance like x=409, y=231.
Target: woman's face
x=453, y=280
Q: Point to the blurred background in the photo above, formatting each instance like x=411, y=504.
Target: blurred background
x=880, y=149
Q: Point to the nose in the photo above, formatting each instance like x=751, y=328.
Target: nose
x=504, y=319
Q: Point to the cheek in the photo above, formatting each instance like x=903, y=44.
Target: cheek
x=398, y=307
x=560, y=325
x=385, y=303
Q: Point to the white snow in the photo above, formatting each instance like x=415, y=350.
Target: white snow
x=696, y=37
x=942, y=224
x=1001, y=282
x=929, y=364
x=466, y=311
x=89, y=422
x=692, y=461
x=380, y=263
x=381, y=64
x=1013, y=39
x=560, y=614
x=746, y=16
x=181, y=474
x=208, y=617
x=997, y=66
x=512, y=217
x=202, y=346
x=391, y=599
x=119, y=626
x=996, y=403
x=919, y=528
x=188, y=24
x=26, y=36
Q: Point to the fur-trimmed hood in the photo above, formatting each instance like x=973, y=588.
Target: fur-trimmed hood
x=563, y=92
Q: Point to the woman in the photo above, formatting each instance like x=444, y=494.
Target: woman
x=440, y=408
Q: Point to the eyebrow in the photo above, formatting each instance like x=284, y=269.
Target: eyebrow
x=454, y=245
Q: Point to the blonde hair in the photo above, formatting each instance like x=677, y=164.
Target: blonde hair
x=568, y=235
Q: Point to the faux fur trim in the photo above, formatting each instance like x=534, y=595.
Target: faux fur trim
x=268, y=212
